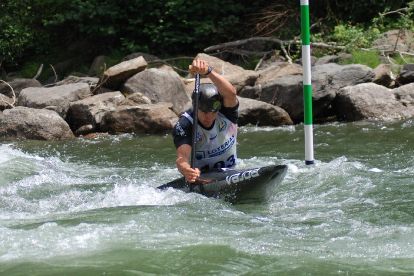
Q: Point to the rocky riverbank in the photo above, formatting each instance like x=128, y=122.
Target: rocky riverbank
x=131, y=98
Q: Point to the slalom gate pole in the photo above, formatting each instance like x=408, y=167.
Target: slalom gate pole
x=307, y=86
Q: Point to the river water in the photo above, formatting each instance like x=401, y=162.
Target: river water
x=90, y=207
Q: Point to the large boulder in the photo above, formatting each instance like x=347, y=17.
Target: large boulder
x=406, y=74
x=159, y=86
x=29, y=123
x=405, y=94
x=56, y=98
x=240, y=80
x=396, y=40
x=89, y=111
x=116, y=75
x=345, y=75
x=369, y=101
x=262, y=114
x=383, y=75
x=220, y=66
x=287, y=92
x=145, y=118
x=18, y=85
x=278, y=70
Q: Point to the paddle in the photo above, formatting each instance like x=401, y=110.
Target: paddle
x=195, y=122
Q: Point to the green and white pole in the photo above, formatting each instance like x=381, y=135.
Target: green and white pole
x=307, y=86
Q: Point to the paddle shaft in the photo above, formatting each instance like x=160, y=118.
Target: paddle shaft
x=195, y=124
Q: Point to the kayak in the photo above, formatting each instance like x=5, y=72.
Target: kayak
x=235, y=186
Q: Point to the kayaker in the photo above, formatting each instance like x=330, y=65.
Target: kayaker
x=217, y=126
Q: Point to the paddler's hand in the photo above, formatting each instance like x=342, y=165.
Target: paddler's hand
x=191, y=175
x=200, y=67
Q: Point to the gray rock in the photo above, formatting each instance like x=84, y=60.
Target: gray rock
x=58, y=97
x=90, y=111
x=406, y=74
x=116, y=75
x=146, y=118
x=28, y=123
x=262, y=114
x=159, y=86
x=5, y=102
x=18, y=85
x=369, y=101
x=286, y=93
x=278, y=70
x=405, y=94
x=345, y=75
x=383, y=75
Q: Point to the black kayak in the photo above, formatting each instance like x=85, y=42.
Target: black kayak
x=236, y=186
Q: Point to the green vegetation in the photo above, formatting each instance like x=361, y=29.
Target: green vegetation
x=51, y=31
x=368, y=58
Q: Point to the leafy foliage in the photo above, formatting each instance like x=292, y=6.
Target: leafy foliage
x=151, y=26
x=43, y=28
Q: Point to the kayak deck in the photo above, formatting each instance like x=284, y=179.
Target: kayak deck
x=235, y=186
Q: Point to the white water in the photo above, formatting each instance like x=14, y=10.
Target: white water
x=92, y=207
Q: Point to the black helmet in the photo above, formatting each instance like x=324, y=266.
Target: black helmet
x=209, y=98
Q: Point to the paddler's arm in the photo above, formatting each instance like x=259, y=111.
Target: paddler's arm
x=183, y=163
x=226, y=89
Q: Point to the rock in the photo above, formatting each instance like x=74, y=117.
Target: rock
x=159, y=86
x=240, y=80
x=406, y=74
x=98, y=66
x=405, y=94
x=89, y=111
x=59, y=96
x=135, y=99
x=29, y=123
x=18, y=85
x=251, y=92
x=383, y=75
x=345, y=75
x=270, y=62
x=91, y=81
x=115, y=76
x=261, y=114
x=220, y=66
x=369, y=101
x=62, y=68
x=276, y=71
x=147, y=57
x=286, y=93
x=327, y=59
x=5, y=102
x=396, y=40
x=145, y=118
x=85, y=130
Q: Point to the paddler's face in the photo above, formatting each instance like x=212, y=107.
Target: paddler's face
x=207, y=118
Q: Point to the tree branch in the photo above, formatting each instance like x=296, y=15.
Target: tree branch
x=14, y=95
x=38, y=72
